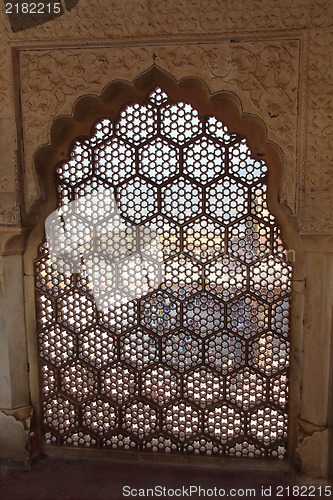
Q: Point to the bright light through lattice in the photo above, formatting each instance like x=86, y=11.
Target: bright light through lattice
x=191, y=355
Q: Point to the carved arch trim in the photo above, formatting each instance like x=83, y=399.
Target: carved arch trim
x=223, y=105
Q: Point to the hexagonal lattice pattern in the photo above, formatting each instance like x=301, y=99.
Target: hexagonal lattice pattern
x=280, y=316
x=160, y=385
x=56, y=345
x=75, y=311
x=102, y=131
x=180, y=122
x=269, y=353
x=203, y=446
x=224, y=423
x=183, y=277
x=225, y=277
x=78, y=167
x=181, y=420
x=249, y=239
x=80, y=438
x=78, y=381
x=267, y=425
x=119, y=383
x=270, y=278
x=99, y=416
x=181, y=350
x=158, y=97
x=181, y=200
x=45, y=312
x=158, y=160
x=93, y=202
x=243, y=166
x=160, y=444
x=203, y=387
x=139, y=349
x=247, y=316
x=246, y=388
x=164, y=325
x=137, y=123
x=216, y=129
x=204, y=160
x=160, y=237
x=226, y=200
x=138, y=200
x=203, y=314
x=48, y=379
x=59, y=414
x=97, y=347
x=204, y=239
x=140, y=419
x=114, y=160
x=118, y=319
x=48, y=280
x=116, y=239
x=160, y=313
x=259, y=205
x=225, y=352
x=279, y=389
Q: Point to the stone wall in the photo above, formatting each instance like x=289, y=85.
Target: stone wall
x=275, y=57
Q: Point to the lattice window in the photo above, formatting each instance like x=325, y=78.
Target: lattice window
x=198, y=362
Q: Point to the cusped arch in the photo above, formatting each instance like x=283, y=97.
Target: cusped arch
x=88, y=109
x=223, y=104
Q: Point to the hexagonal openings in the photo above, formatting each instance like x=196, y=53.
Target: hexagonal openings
x=136, y=123
x=181, y=350
x=203, y=314
x=160, y=385
x=119, y=383
x=99, y=416
x=225, y=352
x=204, y=160
x=139, y=349
x=181, y=200
x=204, y=239
x=160, y=313
x=139, y=419
x=181, y=420
x=114, y=161
x=183, y=277
x=197, y=361
x=225, y=423
x=203, y=387
x=269, y=353
x=158, y=160
x=268, y=425
x=247, y=316
x=137, y=200
x=180, y=122
x=227, y=200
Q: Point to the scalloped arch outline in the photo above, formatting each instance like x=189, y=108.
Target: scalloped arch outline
x=89, y=108
x=225, y=106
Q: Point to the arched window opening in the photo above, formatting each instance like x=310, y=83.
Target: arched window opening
x=196, y=360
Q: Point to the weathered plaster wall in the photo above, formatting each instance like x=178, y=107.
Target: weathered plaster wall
x=275, y=56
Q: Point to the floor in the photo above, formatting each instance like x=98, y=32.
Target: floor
x=59, y=478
